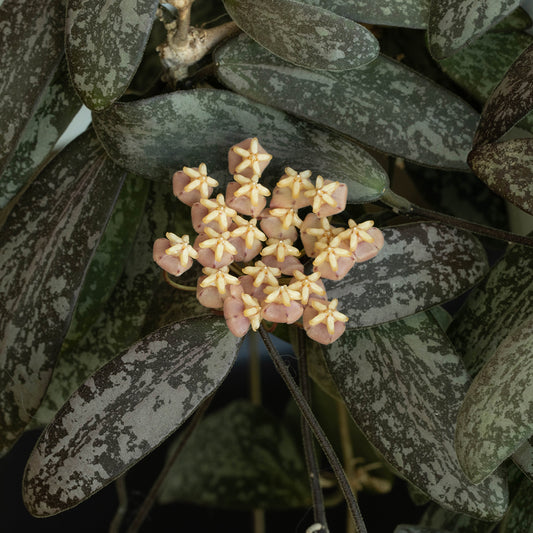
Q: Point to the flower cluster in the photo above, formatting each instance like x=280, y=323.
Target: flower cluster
x=237, y=232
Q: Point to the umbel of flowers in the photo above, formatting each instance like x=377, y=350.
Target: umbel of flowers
x=252, y=268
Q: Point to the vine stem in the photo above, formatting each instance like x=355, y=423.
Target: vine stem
x=403, y=206
x=122, y=494
x=154, y=491
x=319, y=509
x=317, y=430
x=347, y=449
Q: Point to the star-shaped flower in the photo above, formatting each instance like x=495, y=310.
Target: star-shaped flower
x=281, y=248
x=219, y=243
x=322, y=194
x=252, y=310
x=327, y=314
x=251, y=188
x=306, y=285
x=181, y=248
x=248, y=230
x=250, y=157
x=199, y=180
x=263, y=274
x=328, y=252
x=326, y=232
x=356, y=233
x=288, y=216
x=218, y=210
x=281, y=295
x=296, y=181
x=219, y=278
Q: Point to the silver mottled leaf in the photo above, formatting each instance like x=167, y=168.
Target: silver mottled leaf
x=523, y=458
x=519, y=19
x=507, y=168
x=405, y=396
x=436, y=517
x=509, y=102
x=125, y=410
x=384, y=105
x=141, y=302
x=306, y=35
x=56, y=109
x=497, y=414
x=420, y=266
x=454, y=23
x=519, y=517
x=239, y=457
x=158, y=135
x=105, y=43
x=47, y=243
x=31, y=41
x=493, y=308
x=404, y=13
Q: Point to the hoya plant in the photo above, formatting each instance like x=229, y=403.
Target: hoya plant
x=332, y=175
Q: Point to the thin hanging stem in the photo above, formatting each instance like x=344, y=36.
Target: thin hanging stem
x=347, y=450
x=122, y=493
x=178, y=285
x=152, y=495
x=317, y=430
x=319, y=509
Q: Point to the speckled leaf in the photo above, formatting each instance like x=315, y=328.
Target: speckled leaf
x=519, y=517
x=252, y=463
x=405, y=396
x=523, y=458
x=503, y=300
x=404, y=13
x=420, y=266
x=48, y=241
x=455, y=23
x=384, y=105
x=519, y=19
x=157, y=135
x=141, y=302
x=509, y=102
x=125, y=410
x=437, y=517
x=506, y=168
x=497, y=414
x=31, y=41
x=480, y=67
x=409, y=528
x=56, y=109
x=105, y=42
x=306, y=35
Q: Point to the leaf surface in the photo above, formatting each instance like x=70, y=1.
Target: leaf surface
x=509, y=102
x=454, y=23
x=105, y=42
x=420, y=266
x=125, y=410
x=405, y=396
x=384, y=105
x=497, y=413
x=48, y=241
x=519, y=517
x=410, y=528
x=506, y=167
x=306, y=35
x=523, y=458
x=436, y=517
x=159, y=135
x=56, y=109
x=31, y=41
x=519, y=19
x=252, y=463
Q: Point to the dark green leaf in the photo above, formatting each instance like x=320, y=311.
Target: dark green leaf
x=125, y=410
x=405, y=528
x=437, y=517
x=404, y=13
x=523, y=458
x=48, y=241
x=156, y=136
x=517, y=20
x=384, y=105
x=31, y=40
x=105, y=43
x=519, y=517
x=141, y=302
x=253, y=462
x=509, y=102
x=56, y=109
x=506, y=168
x=305, y=35
x=453, y=24
x=497, y=414
x=420, y=266
x=405, y=396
